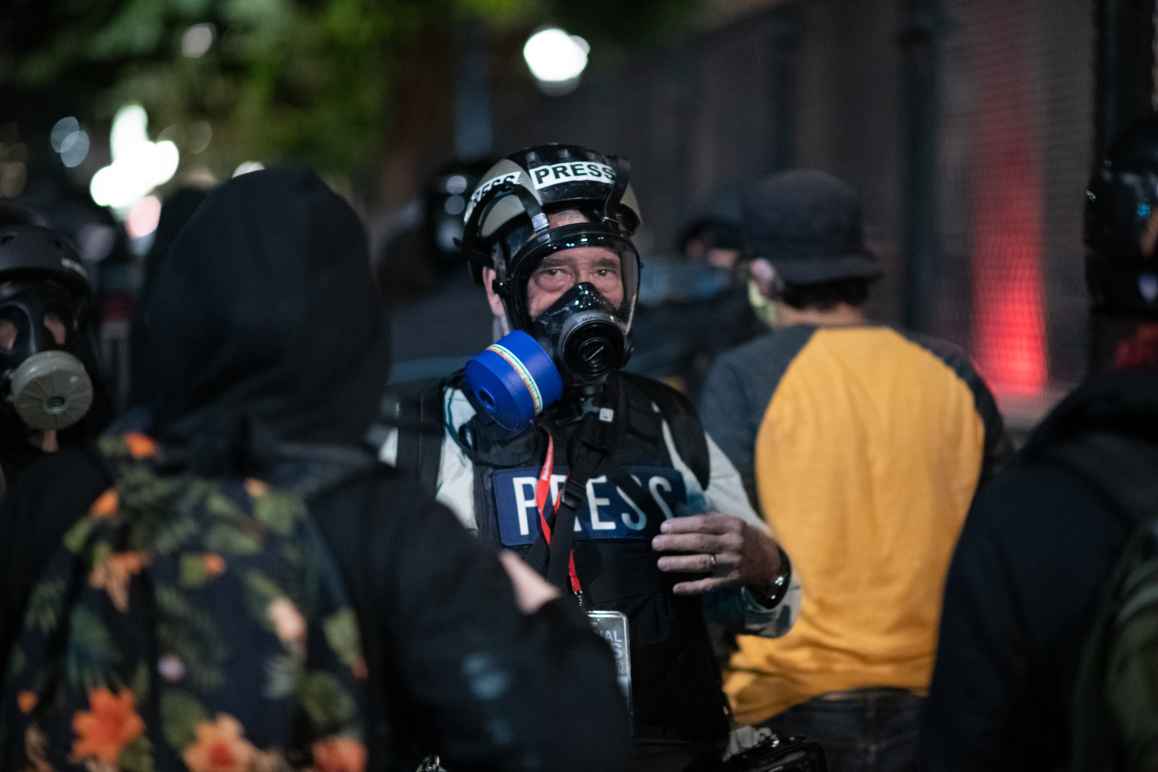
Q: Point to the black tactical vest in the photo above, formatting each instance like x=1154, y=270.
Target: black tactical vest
x=676, y=682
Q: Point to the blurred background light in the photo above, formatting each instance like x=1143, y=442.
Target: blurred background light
x=139, y=165
x=197, y=40
x=248, y=166
x=556, y=59
x=70, y=141
x=61, y=130
x=143, y=217
x=74, y=149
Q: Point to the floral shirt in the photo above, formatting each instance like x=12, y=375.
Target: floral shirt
x=187, y=623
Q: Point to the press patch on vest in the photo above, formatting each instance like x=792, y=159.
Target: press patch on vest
x=609, y=514
x=576, y=171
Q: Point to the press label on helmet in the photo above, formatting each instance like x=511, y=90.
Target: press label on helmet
x=576, y=171
x=483, y=187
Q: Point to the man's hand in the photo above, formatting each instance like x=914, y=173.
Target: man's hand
x=728, y=549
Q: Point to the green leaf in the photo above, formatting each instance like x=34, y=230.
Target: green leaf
x=279, y=511
x=167, y=535
x=342, y=634
x=193, y=635
x=92, y=654
x=137, y=756
x=45, y=605
x=228, y=539
x=193, y=573
x=180, y=715
x=327, y=704
x=77, y=536
x=141, y=683
x=282, y=675
x=219, y=504
x=262, y=587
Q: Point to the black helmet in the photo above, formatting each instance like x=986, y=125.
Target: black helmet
x=1121, y=205
x=36, y=252
x=506, y=224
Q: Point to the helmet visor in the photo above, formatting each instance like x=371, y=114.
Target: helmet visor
x=562, y=257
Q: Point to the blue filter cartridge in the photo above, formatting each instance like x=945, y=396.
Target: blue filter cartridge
x=513, y=380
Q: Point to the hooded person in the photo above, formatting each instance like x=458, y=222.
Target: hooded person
x=269, y=350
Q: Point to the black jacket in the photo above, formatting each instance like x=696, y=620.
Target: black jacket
x=264, y=331
x=1023, y=588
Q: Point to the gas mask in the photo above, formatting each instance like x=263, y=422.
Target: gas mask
x=572, y=346
x=45, y=385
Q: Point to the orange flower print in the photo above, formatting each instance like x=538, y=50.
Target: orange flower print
x=111, y=724
x=105, y=506
x=113, y=574
x=214, y=564
x=27, y=701
x=339, y=754
x=140, y=445
x=256, y=488
x=287, y=621
x=220, y=747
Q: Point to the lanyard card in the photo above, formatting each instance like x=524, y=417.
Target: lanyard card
x=612, y=627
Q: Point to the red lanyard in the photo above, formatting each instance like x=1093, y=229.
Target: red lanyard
x=542, y=487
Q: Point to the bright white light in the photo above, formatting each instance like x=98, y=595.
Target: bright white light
x=553, y=56
x=143, y=217
x=138, y=166
x=197, y=40
x=248, y=166
x=129, y=130
x=74, y=149
x=61, y=131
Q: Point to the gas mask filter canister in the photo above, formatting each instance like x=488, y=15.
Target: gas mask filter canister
x=51, y=390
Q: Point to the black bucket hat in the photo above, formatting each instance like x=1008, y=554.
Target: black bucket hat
x=808, y=224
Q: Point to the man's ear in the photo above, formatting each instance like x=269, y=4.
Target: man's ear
x=493, y=299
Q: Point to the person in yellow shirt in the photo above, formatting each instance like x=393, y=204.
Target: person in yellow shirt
x=862, y=447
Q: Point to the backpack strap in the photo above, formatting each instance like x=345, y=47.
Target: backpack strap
x=686, y=430
x=418, y=418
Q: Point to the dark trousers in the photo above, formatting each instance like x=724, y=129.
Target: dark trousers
x=867, y=730
x=660, y=756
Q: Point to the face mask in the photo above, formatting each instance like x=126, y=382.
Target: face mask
x=49, y=389
x=577, y=342
x=764, y=308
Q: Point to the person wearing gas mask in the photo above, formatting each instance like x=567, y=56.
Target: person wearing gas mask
x=46, y=353
x=604, y=481
x=1041, y=662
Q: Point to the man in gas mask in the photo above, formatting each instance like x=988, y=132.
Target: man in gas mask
x=604, y=481
x=46, y=353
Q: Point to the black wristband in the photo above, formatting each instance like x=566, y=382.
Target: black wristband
x=770, y=597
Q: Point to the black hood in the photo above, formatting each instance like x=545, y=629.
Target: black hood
x=1123, y=402
x=264, y=322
